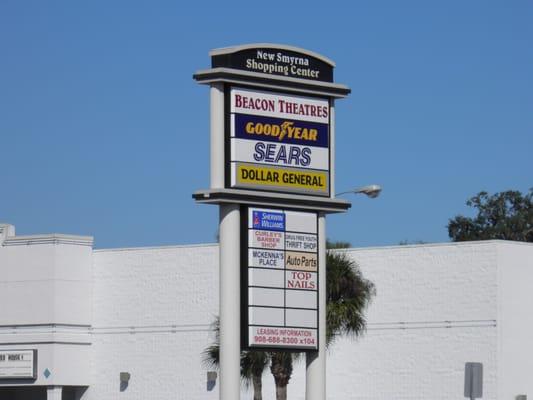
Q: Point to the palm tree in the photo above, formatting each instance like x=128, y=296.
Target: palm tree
x=253, y=363
x=348, y=294
x=281, y=368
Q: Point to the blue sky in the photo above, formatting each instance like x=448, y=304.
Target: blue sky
x=103, y=131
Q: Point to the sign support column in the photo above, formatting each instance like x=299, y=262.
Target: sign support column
x=217, y=134
x=315, y=372
x=230, y=344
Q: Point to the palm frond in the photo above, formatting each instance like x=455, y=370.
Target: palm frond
x=348, y=295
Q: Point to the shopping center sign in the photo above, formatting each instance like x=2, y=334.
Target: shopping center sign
x=272, y=174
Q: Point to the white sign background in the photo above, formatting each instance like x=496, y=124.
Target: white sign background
x=17, y=364
x=243, y=150
x=278, y=99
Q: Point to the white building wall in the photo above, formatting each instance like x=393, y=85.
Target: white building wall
x=27, y=284
x=46, y=279
x=152, y=312
x=45, y=304
x=437, y=307
x=434, y=311
x=515, y=309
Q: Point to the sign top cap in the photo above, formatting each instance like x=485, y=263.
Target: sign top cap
x=235, y=49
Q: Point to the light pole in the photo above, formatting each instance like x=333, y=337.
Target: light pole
x=371, y=191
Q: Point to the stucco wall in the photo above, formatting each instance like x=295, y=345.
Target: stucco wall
x=515, y=316
x=45, y=280
x=45, y=304
x=148, y=311
x=151, y=317
x=436, y=309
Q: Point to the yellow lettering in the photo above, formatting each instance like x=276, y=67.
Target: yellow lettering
x=250, y=128
x=250, y=175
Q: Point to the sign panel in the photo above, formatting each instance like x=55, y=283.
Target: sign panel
x=270, y=258
x=265, y=239
x=18, y=364
x=280, y=179
x=279, y=105
x=279, y=142
x=276, y=61
x=249, y=126
x=280, y=279
x=252, y=151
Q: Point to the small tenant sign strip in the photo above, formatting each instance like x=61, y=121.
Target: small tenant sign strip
x=18, y=364
x=280, y=279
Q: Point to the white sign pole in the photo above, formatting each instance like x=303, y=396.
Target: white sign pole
x=332, y=148
x=229, y=267
x=230, y=297
x=315, y=377
x=217, y=135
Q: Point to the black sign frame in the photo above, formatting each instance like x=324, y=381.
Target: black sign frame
x=275, y=63
x=244, y=269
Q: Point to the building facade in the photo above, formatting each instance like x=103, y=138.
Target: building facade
x=133, y=323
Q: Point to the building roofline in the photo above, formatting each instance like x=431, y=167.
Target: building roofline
x=51, y=238
x=445, y=244
x=393, y=247
x=165, y=247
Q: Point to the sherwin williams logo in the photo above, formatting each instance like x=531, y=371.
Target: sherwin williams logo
x=268, y=221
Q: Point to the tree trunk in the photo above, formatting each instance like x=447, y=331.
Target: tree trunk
x=258, y=386
x=281, y=392
x=281, y=368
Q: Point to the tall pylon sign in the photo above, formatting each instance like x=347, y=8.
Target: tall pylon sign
x=272, y=111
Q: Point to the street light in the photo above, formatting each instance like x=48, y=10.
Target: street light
x=371, y=191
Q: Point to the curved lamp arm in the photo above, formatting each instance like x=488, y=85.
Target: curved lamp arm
x=371, y=191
